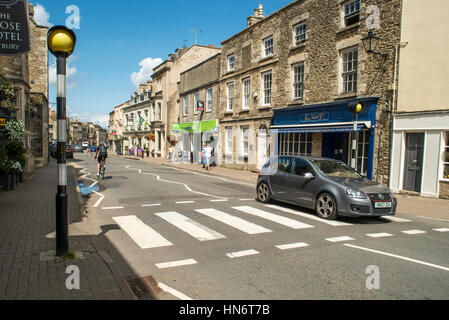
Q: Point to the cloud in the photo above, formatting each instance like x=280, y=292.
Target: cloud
x=41, y=16
x=99, y=118
x=145, y=72
x=70, y=73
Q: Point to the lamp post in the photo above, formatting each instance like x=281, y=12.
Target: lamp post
x=61, y=43
x=370, y=44
x=355, y=108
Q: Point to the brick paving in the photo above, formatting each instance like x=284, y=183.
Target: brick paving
x=28, y=268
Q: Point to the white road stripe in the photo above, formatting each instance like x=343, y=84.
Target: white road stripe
x=292, y=245
x=191, y=227
x=99, y=200
x=173, y=292
x=219, y=200
x=175, y=263
x=151, y=205
x=413, y=231
x=273, y=217
x=236, y=222
x=441, y=229
x=379, y=235
x=397, y=256
x=395, y=219
x=93, y=184
x=239, y=254
x=143, y=235
x=184, y=202
x=339, y=239
x=111, y=208
x=246, y=199
x=308, y=216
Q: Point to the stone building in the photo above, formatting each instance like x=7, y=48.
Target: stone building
x=199, y=109
x=27, y=74
x=116, y=129
x=420, y=142
x=37, y=121
x=165, y=97
x=295, y=72
x=138, y=117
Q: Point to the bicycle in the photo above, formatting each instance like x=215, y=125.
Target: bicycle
x=102, y=169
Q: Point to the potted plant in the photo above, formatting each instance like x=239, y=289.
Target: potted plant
x=5, y=177
x=152, y=137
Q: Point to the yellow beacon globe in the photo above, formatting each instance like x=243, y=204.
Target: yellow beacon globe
x=61, y=41
x=358, y=108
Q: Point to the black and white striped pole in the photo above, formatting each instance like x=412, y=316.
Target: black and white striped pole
x=61, y=43
x=355, y=108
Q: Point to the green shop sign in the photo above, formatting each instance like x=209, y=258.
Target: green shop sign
x=196, y=126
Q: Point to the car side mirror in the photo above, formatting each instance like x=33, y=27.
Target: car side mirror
x=309, y=175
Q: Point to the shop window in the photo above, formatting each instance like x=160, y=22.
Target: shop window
x=245, y=140
x=228, y=138
x=295, y=144
x=446, y=156
x=186, y=105
x=362, y=151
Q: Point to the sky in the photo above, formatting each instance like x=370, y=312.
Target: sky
x=120, y=42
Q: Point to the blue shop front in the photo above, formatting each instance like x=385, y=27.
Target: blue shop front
x=326, y=130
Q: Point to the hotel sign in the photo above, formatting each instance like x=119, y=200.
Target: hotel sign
x=14, y=30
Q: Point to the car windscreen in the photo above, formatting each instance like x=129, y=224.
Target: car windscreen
x=335, y=169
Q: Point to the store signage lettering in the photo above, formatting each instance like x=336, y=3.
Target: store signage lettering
x=315, y=117
x=14, y=31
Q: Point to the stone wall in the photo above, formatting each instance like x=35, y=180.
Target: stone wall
x=444, y=190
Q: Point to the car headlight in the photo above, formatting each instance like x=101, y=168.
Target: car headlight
x=355, y=194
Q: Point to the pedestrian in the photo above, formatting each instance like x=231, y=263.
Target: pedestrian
x=202, y=156
x=170, y=152
x=208, y=156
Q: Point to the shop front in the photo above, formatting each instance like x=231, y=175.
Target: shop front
x=191, y=137
x=327, y=130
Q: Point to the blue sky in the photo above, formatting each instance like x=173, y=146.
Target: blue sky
x=119, y=38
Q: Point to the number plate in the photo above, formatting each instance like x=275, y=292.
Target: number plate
x=382, y=204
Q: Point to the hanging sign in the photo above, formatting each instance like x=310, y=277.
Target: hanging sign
x=14, y=30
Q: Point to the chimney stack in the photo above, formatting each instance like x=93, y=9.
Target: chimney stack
x=258, y=15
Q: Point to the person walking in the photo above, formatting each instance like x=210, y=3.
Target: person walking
x=208, y=156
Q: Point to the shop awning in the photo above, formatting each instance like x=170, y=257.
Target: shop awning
x=334, y=127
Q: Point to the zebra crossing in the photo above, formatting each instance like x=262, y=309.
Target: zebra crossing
x=146, y=237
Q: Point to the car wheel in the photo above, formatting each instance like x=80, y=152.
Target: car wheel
x=326, y=206
x=263, y=193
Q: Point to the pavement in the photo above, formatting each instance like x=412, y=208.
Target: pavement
x=29, y=269
x=431, y=208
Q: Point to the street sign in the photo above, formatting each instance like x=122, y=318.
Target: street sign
x=14, y=29
x=200, y=106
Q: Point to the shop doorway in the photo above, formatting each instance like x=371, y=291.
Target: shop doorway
x=413, y=161
x=336, y=146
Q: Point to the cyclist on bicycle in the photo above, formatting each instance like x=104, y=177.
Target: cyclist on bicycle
x=101, y=154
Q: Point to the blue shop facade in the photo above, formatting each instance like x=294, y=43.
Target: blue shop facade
x=326, y=130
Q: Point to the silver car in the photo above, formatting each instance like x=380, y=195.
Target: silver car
x=328, y=186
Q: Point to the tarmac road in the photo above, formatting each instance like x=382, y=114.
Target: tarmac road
x=205, y=237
